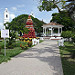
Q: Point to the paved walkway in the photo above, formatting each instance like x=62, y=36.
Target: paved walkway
x=42, y=59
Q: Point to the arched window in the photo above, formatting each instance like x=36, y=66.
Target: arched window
x=6, y=10
x=6, y=16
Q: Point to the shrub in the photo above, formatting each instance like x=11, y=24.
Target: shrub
x=20, y=45
x=12, y=39
x=0, y=50
x=10, y=47
x=66, y=34
x=2, y=44
x=17, y=43
x=0, y=34
x=63, y=34
x=11, y=43
x=73, y=55
x=73, y=38
x=29, y=44
x=24, y=46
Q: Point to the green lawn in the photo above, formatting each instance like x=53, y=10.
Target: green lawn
x=40, y=41
x=11, y=52
x=66, y=56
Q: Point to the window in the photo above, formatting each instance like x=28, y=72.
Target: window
x=6, y=16
x=6, y=10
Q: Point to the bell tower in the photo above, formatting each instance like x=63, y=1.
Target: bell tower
x=6, y=16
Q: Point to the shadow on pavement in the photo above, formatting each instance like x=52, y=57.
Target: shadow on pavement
x=48, y=54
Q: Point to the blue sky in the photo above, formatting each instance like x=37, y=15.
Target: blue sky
x=18, y=7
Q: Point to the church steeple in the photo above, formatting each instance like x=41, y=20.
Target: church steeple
x=6, y=15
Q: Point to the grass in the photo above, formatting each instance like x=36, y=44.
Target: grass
x=2, y=44
x=40, y=41
x=68, y=63
x=10, y=52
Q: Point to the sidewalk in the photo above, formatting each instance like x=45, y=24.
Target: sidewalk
x=42, y=59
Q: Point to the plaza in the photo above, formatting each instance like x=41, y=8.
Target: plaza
x=34, y=42
x=42, y=59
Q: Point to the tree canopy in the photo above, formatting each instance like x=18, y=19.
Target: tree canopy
x=64, y=19
x=48, y=5
x=18, y=24
x=0, y=34
x=65, y=5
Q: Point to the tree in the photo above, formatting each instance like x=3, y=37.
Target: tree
x=48, y=5
x=67, y=5
x=73, y=39
x=70, y=7
x=64, y=19
x=37, y=25
x=18, y=24
x=12, y=39
x=67, y=34
x=71, y=3
x=0, y=34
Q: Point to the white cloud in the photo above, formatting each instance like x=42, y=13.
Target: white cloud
x=14, y=8
x=35, y=10
x=12, y=16
x=46, y=20
x=1, y=25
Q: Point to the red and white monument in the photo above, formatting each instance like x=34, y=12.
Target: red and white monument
x=29, y=25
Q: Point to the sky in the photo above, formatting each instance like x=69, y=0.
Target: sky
x=18, y=7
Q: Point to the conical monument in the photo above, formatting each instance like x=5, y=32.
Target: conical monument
x=29, y=25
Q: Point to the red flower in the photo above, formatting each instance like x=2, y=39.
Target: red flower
x=20, y=45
